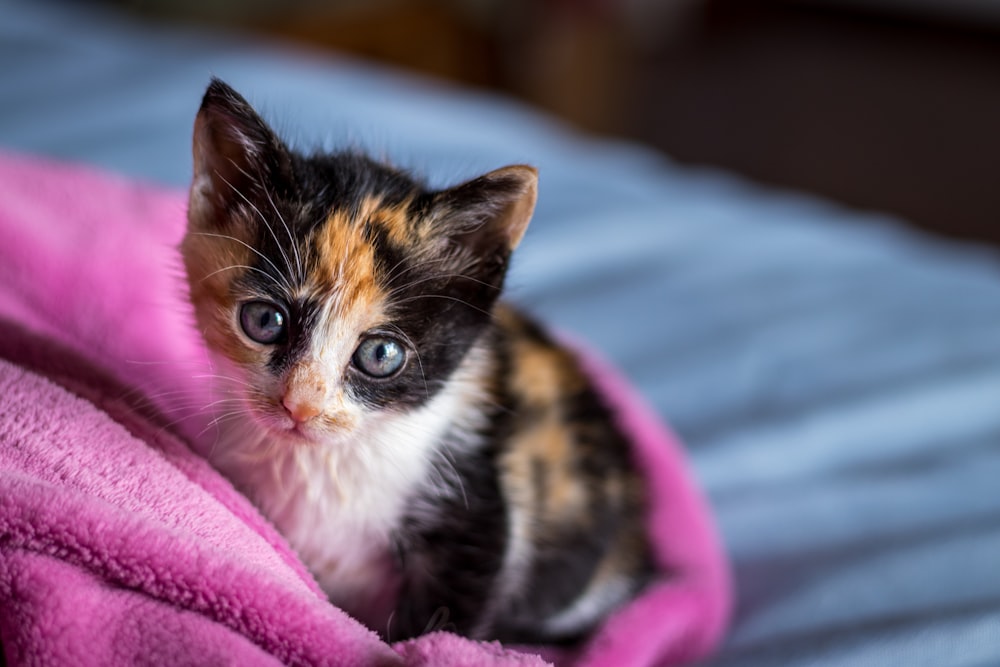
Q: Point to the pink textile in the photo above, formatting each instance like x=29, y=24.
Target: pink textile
x=119, y=545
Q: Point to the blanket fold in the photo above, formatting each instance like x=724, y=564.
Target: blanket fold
x=120, y=545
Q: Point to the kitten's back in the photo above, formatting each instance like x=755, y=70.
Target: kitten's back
x=574, y=497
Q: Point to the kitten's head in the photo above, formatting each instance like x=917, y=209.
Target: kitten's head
x=331, y=287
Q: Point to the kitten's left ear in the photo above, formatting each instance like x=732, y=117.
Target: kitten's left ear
x=493, y=210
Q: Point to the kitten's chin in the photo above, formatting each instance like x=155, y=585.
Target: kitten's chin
x=300, y=434
x=281, y=427
x=292, y=433
x=295, y=434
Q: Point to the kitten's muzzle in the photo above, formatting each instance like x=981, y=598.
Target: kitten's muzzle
x=305, y=394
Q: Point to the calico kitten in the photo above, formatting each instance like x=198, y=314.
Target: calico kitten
x=435, y=458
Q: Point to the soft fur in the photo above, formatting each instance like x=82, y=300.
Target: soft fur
x=481, y=485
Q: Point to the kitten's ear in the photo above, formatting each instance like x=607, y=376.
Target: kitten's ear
x=235, y=153
x=492, y=211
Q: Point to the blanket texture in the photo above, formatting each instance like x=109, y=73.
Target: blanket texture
x=120, y=545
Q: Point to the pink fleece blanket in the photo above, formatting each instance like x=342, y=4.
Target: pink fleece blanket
x=119, y=545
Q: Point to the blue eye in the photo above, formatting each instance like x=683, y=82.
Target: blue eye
x=263, y=321
x=379, y=357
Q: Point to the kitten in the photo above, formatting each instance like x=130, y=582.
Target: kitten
x=435, y=457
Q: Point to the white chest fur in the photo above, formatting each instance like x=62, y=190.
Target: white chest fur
x=339, y=502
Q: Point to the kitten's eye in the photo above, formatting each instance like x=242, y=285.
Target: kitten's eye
x=263, y=321
x=379, y=357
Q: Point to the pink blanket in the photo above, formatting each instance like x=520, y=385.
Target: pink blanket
x=119, y=545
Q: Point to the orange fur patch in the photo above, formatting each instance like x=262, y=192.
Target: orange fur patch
x=345, y=265
x=542, y=373
x=542, y=376
x=552, y=445
x=395, y=220
x=212, y=264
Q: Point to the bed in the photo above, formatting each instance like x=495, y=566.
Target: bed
x=833, y=375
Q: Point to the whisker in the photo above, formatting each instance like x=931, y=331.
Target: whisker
x=425, y=279
x=251, y=249
x=416, y=351
x=223, y=401
x=445, y=296
x=260, y=215
x=188, y=415
x=300, y=275
x=220, y=419
x=444, y=454
x=249, y=268
x=401, y=265
x=227, y=378
x=162, y=362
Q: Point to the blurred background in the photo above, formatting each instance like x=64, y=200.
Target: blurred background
x=889, y=105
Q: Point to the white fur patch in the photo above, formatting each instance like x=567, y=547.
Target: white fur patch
x=591, y=606
x=515, y=567
x=339, y=498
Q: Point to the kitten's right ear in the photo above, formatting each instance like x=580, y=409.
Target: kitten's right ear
x=236, y=155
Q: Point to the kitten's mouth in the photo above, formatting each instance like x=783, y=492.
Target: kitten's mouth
x=323, y=428
x=304, y=433
x=284, y=428
x=297, y=432
x=294, y=430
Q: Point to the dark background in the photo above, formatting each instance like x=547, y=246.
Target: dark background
x=889, y=105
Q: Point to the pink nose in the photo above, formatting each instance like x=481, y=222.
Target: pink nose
x=300, y=412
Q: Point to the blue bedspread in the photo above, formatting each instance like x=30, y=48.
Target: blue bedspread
x=835, y=376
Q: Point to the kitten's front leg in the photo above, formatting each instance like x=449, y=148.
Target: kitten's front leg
x=451, y=565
